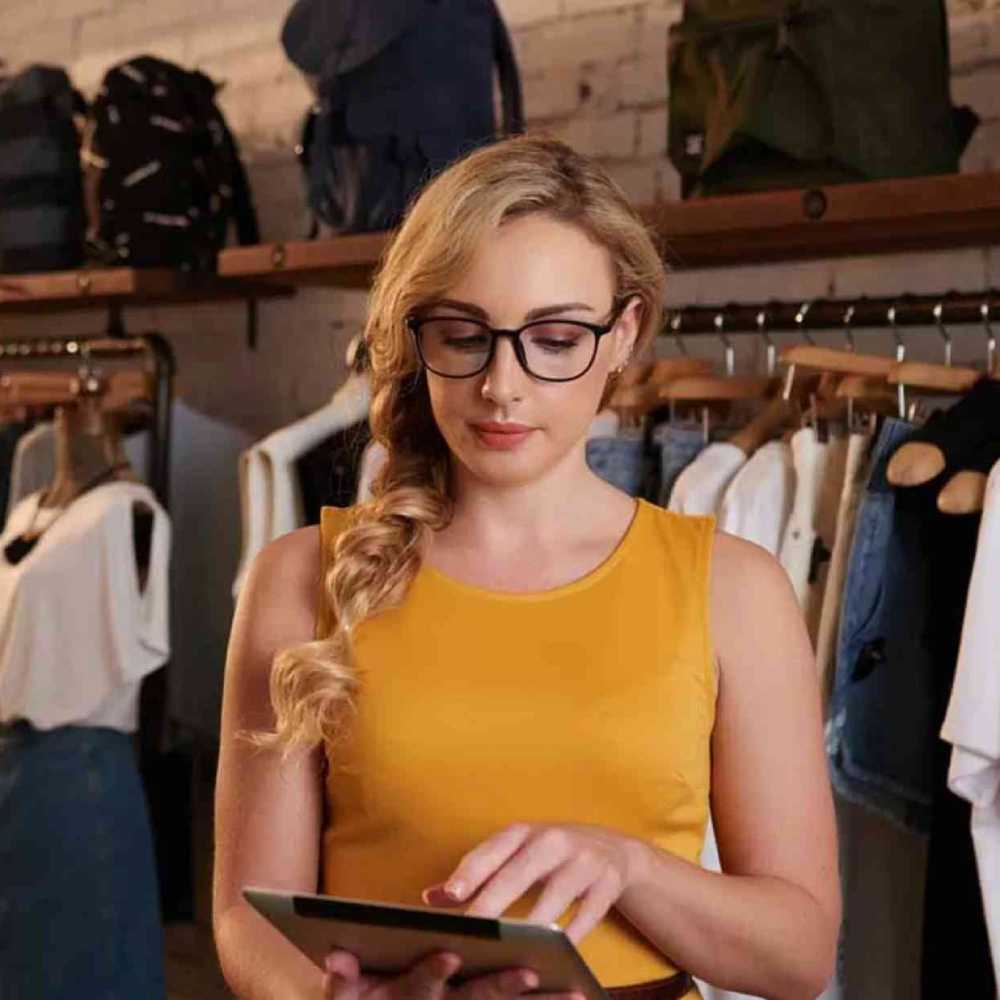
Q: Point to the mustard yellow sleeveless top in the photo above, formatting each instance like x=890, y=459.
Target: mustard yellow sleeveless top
x=590, y=703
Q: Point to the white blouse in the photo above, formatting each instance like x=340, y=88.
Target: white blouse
x=77, y=633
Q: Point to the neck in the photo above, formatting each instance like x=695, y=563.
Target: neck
x=87, y=443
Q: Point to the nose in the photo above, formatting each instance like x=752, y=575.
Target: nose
x=503, y=379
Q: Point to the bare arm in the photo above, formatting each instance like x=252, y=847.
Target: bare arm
x=768, y=925
x=267, y=815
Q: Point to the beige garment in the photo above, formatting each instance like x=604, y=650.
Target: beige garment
x=827, y=506
x=809, y=535
x=853, y=480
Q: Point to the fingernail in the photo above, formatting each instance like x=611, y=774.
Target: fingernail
x=455, y=889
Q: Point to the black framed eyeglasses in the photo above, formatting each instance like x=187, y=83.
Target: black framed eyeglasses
x=554, y=350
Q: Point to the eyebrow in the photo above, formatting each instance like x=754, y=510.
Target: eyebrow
x=538, y=313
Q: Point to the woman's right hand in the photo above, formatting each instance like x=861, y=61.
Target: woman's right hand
x=427, y=979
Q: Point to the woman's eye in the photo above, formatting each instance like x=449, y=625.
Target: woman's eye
x=556, y=338
x=474, y=343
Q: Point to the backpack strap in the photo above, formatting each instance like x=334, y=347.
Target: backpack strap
x=510, y=78
x=244, y=214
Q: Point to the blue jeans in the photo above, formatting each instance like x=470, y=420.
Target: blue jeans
x=79, y=904
x=880, y=737
x=620, y=461
x=680, y=445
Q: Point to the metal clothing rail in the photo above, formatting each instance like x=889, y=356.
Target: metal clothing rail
x=158, y=355
x=827, y=315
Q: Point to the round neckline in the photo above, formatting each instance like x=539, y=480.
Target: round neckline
x=581, y=583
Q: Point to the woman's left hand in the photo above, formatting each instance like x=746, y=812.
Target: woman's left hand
x=572, y=859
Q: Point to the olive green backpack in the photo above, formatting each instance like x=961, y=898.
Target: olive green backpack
x=795, y=93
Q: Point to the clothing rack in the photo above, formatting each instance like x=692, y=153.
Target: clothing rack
x=957, y=308
x=159, y=357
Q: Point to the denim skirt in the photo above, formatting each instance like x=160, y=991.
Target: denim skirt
x=79, y=901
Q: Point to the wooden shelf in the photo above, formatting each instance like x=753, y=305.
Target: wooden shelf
x=924, y=213
x=345, y=261
x=123, y=286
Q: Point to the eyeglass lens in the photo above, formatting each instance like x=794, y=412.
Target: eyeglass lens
x=554, y=350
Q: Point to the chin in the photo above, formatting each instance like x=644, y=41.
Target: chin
x=503, y=468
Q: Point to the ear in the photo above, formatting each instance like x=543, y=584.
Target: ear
x=627, y=332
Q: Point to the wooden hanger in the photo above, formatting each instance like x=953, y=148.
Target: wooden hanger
x=116, y=391
x=717, y=388
x=933, y=379
x=763, y=427
x=639, y=395
x=872, y=393
x=829, y=359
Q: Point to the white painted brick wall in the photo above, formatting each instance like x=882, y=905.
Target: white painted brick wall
x=521, y=13
x=594, y=73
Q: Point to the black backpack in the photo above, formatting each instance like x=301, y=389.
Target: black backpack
x=163, y=175
x=794, y=93
x=404, y=88
x=41, y=201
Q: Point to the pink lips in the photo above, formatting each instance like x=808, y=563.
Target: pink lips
x=501, y=436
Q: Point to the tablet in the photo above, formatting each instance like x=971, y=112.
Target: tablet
x=387, y=939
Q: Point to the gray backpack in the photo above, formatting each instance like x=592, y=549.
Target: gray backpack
x=41, y=197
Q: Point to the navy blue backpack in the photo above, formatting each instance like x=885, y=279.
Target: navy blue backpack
x=404, y=87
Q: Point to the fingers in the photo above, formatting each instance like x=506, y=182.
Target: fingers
x=504, y=985
x=425, y=980
x=342, y=978
x=496, y=985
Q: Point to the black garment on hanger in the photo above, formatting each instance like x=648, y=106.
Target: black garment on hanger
x=956, y=946
x=328, y=473
x=10, y=434
x=962, y=431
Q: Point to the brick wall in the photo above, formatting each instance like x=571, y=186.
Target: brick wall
x=593, y=72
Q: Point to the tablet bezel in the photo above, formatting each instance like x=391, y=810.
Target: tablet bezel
x=389, y=937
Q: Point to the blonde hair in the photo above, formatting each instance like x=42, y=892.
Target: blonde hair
x=380, y=551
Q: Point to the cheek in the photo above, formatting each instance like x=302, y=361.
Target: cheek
x=451, y=402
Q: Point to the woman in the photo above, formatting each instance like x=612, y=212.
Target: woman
x=522, y=678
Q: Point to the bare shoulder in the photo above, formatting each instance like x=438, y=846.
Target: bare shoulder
x=278, y=601
x=285, y=569
x=752, y=601
x=735, y=562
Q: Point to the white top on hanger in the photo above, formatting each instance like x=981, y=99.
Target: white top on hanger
x=271, y=502
x=77, y=634
x=972, y=722
x=372, y=459
x=757, y=503
x=699, y=489
x=33, y=463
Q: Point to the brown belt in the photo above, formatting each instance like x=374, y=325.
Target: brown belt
x=672, y=988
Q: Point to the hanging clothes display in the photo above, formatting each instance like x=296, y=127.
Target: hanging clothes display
x=84, y=599
x=271, y=500
x=810, y=535
x=371, y=461
x=204, y=503
x=117, y=633
x=679, y=443
x=330, y=472
x=11, y=433
x=758, y=501
x=972, y=721
x=855, y=469
x=700, y=487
